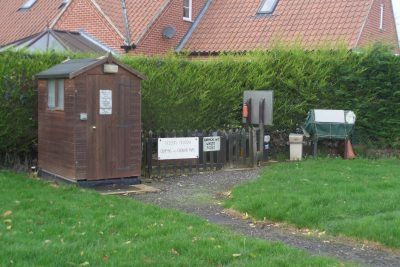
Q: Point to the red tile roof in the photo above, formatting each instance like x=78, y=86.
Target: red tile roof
x=234, y=25
x=15, y=25
x=140, y=14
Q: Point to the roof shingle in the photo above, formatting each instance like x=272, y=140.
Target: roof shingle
x=15, y=25
x=234, y=25
x=140, y=14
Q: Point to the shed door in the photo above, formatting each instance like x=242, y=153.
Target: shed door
x=110, y=127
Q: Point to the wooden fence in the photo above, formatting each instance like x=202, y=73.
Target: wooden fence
x=239, y=148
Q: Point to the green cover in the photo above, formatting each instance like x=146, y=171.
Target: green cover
x=328, y=130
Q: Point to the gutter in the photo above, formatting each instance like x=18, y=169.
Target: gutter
x=196, y=22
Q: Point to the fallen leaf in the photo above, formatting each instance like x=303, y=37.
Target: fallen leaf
x=54, y=185
x=47, y=241
x=173, y=251
x=7, y=213
x=236, y=255
x=7, y=221
x=86, y=263
x=9, y=227
x=147, y=260
x=128, y=242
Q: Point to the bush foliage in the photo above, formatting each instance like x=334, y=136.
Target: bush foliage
x=182, y=93
x=18, y=100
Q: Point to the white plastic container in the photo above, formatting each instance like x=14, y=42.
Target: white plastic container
x=296, y=146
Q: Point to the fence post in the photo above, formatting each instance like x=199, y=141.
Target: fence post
x=237, y=146
x=204, y=154
x=223, y=148
x=230, y=148
x=253, y=147
x=149, y=153
x=243, y=146
x=219, y=154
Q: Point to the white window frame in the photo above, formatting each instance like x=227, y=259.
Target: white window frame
x=27, y=5
x=190, y=10
x=55, y=101
x=273, y=7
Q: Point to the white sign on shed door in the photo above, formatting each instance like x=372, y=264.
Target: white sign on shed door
x=105, y=102
x=178, y=148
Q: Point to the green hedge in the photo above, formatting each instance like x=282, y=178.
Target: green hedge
x=18, y=100
x=206, y=94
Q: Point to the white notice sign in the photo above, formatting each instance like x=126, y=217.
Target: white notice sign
x=211, y=143
x=178, y=148
x=105, y=102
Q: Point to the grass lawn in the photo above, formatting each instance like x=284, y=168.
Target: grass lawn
x=45, y=225
x=359, y=198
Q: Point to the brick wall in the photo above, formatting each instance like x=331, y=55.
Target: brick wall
x=372, y=31
x=82, y=14
x=154, y=43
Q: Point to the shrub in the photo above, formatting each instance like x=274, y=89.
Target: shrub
x=182, y=93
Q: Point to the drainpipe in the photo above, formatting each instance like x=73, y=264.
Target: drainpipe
x=128, y=46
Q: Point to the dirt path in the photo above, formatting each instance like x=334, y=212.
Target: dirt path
x=200, y=194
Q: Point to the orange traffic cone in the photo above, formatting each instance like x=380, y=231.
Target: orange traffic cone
x=350, y=151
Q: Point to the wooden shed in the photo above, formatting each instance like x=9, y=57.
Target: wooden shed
x=90, y=121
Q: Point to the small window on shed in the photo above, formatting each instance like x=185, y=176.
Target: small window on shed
x=187, y=10
x=51, y=93
x=60, y=94
x=55, y=94
x=268, y=6
x=27, y=5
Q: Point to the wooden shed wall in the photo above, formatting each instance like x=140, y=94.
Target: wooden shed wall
x=86, y=102
x=56, y=132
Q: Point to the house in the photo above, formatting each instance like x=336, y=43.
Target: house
x=197, y=26
x=233, y=25
x=135, y=26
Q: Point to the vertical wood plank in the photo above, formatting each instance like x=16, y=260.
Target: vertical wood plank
x=230, y=148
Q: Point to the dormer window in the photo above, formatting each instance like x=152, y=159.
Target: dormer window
x=268, y=6
x=27, y=5
x=187, y=10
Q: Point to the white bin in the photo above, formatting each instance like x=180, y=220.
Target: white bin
x=296, y=146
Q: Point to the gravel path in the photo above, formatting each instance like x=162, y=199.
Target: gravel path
x=200, y=194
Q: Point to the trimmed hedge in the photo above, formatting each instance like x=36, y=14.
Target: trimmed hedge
x=207, y=94
x=18, y=100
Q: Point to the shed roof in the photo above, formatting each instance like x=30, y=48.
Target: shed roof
x=74, y=67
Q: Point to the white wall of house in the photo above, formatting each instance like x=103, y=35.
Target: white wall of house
x=396, y=9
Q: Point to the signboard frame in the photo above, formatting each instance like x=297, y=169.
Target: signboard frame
x=257, y=97
x=211, y=143
x=178, y=148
